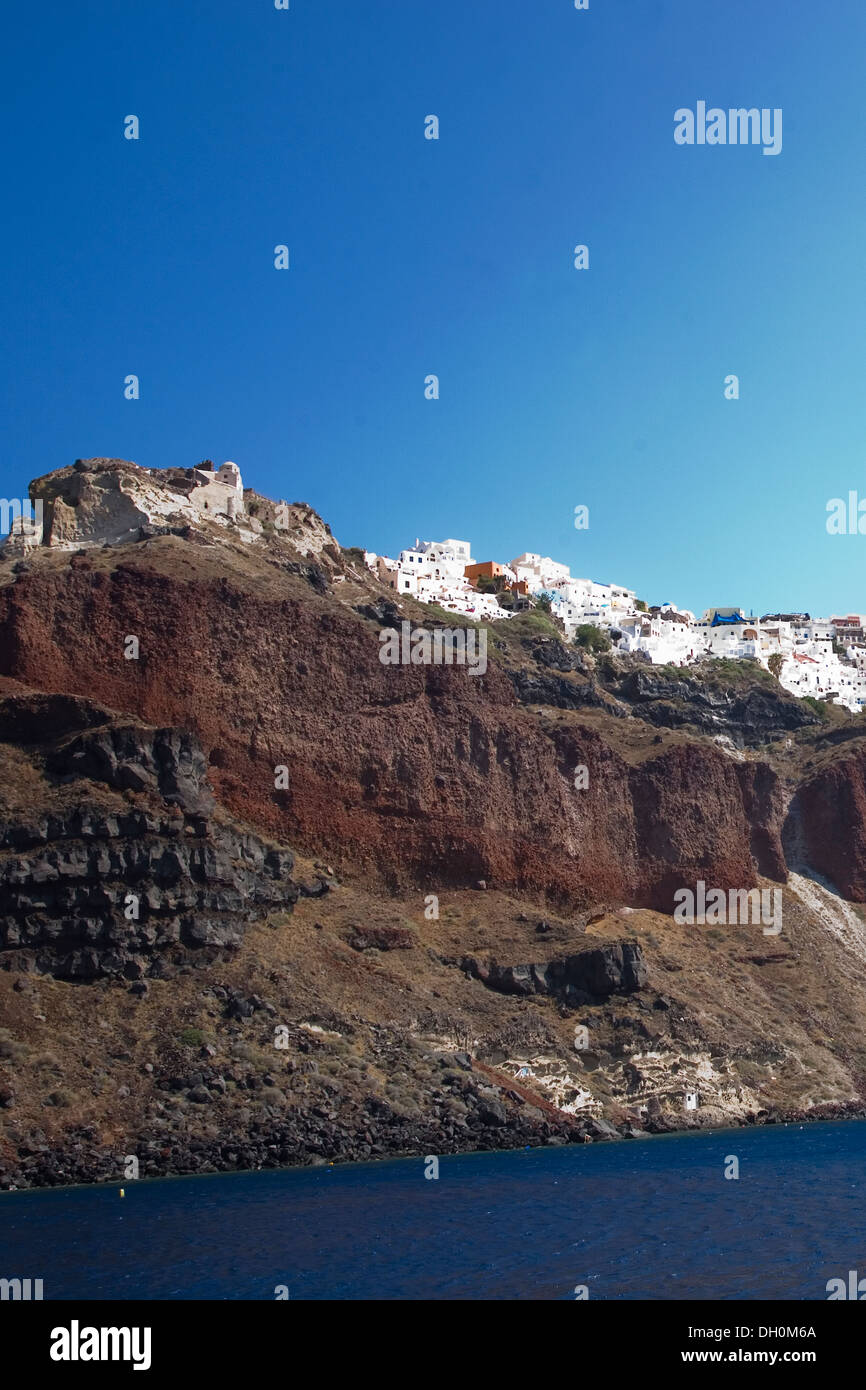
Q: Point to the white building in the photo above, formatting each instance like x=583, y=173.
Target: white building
x=433, y=572
x=538, y=571
x=219, y=492
x=436, y=560
x=579, y=601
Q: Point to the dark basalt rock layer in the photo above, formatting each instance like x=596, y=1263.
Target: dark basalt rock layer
x=617, y=967
x=123, y=884
x=750, y=717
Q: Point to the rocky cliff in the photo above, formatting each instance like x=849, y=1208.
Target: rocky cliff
x=483, y=862
x=111, y=862
x=419, y=774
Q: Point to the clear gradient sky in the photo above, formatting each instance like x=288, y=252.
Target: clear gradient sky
x=558, y=387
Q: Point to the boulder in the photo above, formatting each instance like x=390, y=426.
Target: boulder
x=615, y=967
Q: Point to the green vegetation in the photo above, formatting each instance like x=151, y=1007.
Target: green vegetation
x=640, y=605
x=507, y=600
x=192, y=1037
x=443, y=615
x=775, y=663
x=591, y=638
x=491, y=584
x=738, y=673
x=354, y=554
x=532, y=623
x=819, y=707
x=670, y=673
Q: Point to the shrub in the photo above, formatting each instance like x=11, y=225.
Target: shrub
x=818, y=707
x=11, y=1050
x=591, y=638
x=444, y=615
x=533, y=623
x=381, y=938
x=192, y=1037
x=739, y=672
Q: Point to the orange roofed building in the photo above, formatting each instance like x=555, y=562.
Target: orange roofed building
x=490, y=569
x=487, y=569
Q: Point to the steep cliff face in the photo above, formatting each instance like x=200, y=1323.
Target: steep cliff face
x=178, y=707
x=419, y=774
x=622, y=686
x=110, y=861
x=752, y=716
x=830, y=809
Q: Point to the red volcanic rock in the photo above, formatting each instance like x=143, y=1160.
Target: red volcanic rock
x=830, y=813
x=415, y=774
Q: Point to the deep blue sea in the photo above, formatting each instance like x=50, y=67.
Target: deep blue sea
x=645, y=1219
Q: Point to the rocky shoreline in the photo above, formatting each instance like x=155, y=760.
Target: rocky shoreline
x=309, y=1140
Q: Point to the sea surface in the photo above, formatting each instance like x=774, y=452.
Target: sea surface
x=639, y=1219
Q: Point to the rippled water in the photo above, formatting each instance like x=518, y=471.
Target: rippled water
x=639, y=1219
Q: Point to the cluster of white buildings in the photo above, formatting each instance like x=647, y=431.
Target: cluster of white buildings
x=436, y=572
x=823, y=657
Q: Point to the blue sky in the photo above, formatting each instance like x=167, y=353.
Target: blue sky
x=558, y=387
